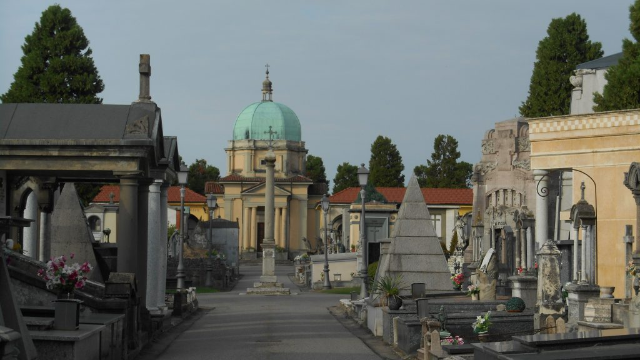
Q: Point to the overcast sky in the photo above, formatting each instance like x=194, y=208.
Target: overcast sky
x=351, y=70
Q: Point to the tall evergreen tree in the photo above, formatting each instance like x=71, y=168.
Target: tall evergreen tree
x=200, y=173
x=385, y=165
x=444, y=170
x=622, y=90
x=57, y=66
x=558, y=54
x=315, y=169
x=346, y=177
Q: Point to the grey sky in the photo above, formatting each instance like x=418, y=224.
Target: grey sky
x=351, y=71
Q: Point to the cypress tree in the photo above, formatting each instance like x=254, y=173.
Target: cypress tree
x=57, y=66
x=385, y=165
x=346, y=177
x=315, y=169
x=444, y=170
x=558, y=54
x=622, y=90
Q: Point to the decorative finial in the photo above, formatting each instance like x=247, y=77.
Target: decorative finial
x=145, y=73
x=267, y=90
x=582, y=187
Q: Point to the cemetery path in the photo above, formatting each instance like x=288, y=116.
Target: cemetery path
x=267, y=327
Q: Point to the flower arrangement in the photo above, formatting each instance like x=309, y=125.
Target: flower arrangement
x=482, y=323
x=473, y=290
x=457, y=280
x=520, y=270
x=65, y=278
x=455, y=340
x=631, y=269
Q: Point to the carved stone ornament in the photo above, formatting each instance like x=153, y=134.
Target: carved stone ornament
x=485, y=167
x=524, y=144
x=487, y=147
x=138, y=127
x=576, y=81
x=522, y=164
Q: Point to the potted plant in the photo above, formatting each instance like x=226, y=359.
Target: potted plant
x=474, y=292
x=390, y=286
x=481, y=325
x=452, y=340
x=515, y=304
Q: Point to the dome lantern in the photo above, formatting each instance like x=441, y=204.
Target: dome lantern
x=267, y=90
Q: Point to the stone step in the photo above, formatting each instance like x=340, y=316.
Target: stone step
x=267, y=285
x=268, y=291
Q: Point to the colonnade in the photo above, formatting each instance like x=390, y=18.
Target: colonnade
x=250, y=227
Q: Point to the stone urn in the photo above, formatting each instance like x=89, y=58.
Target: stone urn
x=606, y=292
x=395, y=302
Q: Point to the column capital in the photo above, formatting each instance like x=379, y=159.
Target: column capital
x=539, y=173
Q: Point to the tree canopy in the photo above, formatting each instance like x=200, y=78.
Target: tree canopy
x=444, y=170
x=385, y=165
x=315, y=169
x=346, y=177
x=57, y=66
x=200, y=173
x=567, y=44
x=622, y=90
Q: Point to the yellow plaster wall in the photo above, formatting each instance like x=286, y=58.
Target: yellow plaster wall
x=603, y=145
x=111, y=222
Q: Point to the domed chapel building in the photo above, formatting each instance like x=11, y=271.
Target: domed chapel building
x=241, y=192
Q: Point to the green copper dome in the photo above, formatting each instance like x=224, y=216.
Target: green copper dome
x=255, y=119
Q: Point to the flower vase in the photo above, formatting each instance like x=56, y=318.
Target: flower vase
x=67, y=311
x=483, y=336
x=475, y=297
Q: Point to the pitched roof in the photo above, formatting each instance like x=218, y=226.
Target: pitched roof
x=395, y=195
x=603, y=62
x=173, y=195
x=212, y=187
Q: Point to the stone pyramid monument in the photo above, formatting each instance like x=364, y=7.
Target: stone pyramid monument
x=414, y=251
x=70, y=232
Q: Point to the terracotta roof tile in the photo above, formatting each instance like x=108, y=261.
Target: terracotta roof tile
x=173, y=195
x=396, y=195
x=238, y=178
x=212, y=187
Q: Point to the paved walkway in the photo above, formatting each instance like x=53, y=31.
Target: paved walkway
x=266, y=327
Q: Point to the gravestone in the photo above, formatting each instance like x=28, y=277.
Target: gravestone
x=70, y=232
x=415, y=252
x=487, y=276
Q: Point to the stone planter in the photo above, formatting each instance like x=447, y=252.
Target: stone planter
x=395, y=302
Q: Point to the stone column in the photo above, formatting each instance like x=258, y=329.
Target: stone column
x=591, y=229
x=153, y=245
x=303, y=220
x=162, y=257
x=246, y=228
x=530, y=251
x=346, y=230
x=574, y=235
x=518, y=249
x=283, y=229
x=268, y=244
x=542, y=203
x=30, y=234
x=523, y=248
x=254, y=228
x=127, y=230
x=583, y=265
x=549, y=297
x=277, y=222
x=143, y=240
x=44, y=253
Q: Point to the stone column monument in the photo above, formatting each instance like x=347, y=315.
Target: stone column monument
x=549, y=299
x=269, y=284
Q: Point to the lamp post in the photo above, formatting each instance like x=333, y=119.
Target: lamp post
x=363, y=177
x=325, y=209
x=183, y=174
x=211, y=204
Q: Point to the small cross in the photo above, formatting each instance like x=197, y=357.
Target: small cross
x=111, y=196
x=267, y=66
x=582, y=187
x=271, y=133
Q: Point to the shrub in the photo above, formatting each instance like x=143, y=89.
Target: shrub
x=516, y=304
